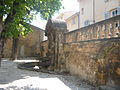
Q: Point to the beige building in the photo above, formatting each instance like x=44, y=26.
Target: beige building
x=92, y=11
x=28, y=46
x=71, y=18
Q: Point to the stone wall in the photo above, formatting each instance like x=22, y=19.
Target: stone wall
x=55, y=30
x=28, y=46
x=44, y=48
x=7, y=49
x=105, y=29
x=91, y=52
x=95, y=61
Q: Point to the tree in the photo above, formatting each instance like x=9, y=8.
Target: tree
x=16, y=14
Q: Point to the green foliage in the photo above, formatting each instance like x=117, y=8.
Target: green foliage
x=17, y=29
x=18, y=13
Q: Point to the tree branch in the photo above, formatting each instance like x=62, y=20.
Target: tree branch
x=11, y=15
x=1, y=24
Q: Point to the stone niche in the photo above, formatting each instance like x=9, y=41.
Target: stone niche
x=55, y=30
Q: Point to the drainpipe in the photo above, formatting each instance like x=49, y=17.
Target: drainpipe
x=78, y=20
x=93, y=11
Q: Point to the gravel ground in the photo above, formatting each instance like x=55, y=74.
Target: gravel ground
x=12, y=78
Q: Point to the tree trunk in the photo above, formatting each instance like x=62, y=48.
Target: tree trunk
x=0, y=52
x=1, y=49
x=15, y=49
x=1, y=40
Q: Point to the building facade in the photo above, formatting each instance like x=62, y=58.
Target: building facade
x=92, y=11
x=73, y=22
x=28, y=46
x=71, y=18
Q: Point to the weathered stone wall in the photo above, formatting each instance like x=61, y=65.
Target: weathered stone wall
x=95, y=61
x=44, y=48
x=55, y=30
x=109, y=28
x=7, y=49
x=91, y=52
x=28, y=46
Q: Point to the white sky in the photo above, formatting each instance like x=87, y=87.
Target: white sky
x=69, y=5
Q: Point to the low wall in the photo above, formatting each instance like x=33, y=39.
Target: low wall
x=95, y=61
x=91, y=52
x=105, y=29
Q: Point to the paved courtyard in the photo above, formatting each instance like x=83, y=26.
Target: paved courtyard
x=12, y=78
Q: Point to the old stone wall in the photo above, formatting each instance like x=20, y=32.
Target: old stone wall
x=55, y=30
x=28, y=46
x=44, y=48
x=7, y=49
x=95, y=61
x=109, y=28
x=91, y=52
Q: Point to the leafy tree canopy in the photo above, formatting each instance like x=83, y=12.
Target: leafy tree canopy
x=17, y=14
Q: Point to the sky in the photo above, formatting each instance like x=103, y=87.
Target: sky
x=69, y=5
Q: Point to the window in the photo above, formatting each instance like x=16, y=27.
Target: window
x=87, y=22
x=107, y=15
x=82, y=11
x=73, y=21
x=106, y=1
x=114, y=13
